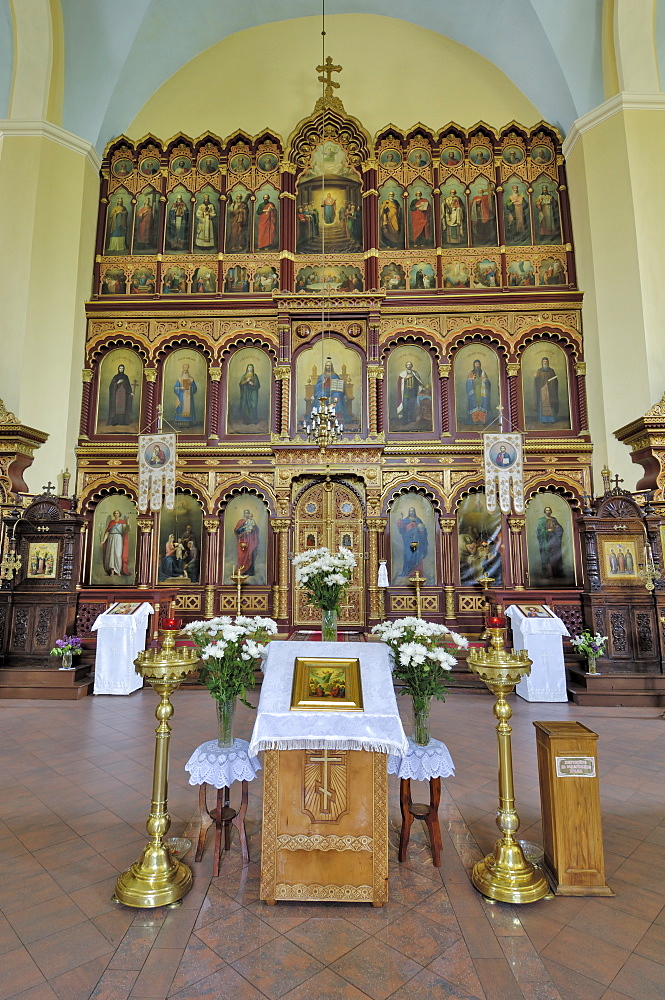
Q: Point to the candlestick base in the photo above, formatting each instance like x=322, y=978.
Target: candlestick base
x=508, y=877
x=156, y=879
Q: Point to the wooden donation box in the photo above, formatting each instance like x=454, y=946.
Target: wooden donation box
x=325, y=798
x=570, y=807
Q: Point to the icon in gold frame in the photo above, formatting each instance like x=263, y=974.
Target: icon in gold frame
x=326, y=684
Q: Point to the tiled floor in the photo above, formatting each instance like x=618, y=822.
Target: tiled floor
x=74, y=795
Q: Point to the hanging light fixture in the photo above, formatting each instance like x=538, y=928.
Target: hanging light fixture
x=323, y=427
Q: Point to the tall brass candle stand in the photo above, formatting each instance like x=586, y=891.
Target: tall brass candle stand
x=506, y=874
x=157, y=879
x=418, y=581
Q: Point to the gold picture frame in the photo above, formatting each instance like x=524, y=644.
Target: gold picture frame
x=536, y=611
x=621, y=557
x=326, y=684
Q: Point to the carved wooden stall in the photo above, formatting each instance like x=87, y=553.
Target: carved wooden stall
x=446, y=304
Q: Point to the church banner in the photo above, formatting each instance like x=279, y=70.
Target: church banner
x=504, y=472
x=157, y=453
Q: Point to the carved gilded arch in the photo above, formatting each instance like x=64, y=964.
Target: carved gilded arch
x=412, y=485
x=329, y=124
x=236, y=486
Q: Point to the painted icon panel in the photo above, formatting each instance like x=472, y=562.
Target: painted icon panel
x=113, y=551
x=178, y=221
x=184, y=391
x=208, y=164
x=119, y=222
x=454, y=232
x=329, y=203
x=119, y=393
x=479, y=541
x=482, y=213
x=239, y=220
x=546, y=215
x=409, y=390
x=551, y=272
x=521, y=274
x=391, y=216
x=420, y=215
x=180, y=533
x=545, y=387
x=549, y=537
x=338, y=377
x=412, y=540
x=249, y=378
x=266, y=219
x=146, y=221
x=206, y=221
x=149, y=166
x=392, y=277
x=204, y=280
x=390, y=158
x=516, y=213
x=246, y=539
x=477, y=388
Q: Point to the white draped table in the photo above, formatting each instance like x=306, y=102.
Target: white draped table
x=325, y=801
x=543, y=640
x=120, y=638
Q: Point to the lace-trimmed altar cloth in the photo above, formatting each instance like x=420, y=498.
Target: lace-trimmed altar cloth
x=378, y=728
x=423, y=763
x=221, y=766
x=120, y=638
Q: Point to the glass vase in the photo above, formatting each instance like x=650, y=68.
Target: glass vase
x=591, y=663
x=328, y=625
x=420, y=733
x=225, y=715
x=66, y=660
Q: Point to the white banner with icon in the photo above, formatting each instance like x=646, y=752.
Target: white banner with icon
x=504, y=472
x=157, y=453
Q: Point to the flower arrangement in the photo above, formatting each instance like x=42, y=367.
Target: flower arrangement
x=590, y=645
x=324, y=576
x=230, y=650
x=68, y=644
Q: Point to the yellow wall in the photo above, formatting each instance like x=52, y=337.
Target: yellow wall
x=49, y=195
x=394, y=72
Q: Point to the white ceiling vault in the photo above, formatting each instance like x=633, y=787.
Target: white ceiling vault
x=117, y=55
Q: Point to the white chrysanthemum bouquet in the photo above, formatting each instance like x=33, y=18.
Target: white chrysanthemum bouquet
x=230, y=650
x=324, y=576
x=422, y=663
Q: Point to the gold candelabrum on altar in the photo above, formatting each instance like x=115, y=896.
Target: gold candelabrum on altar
x=157, y=878
x=505, y=875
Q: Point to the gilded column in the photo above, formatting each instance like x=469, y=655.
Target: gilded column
x=516, y=525
x=215, y=375
x=211, y=525
x=375, y=375
x=580, y=372
x=448, y=525
x=148, y=411
x=86, y=377
x=444, y=378
x=144, y=554
x=282, y=374
x=376, y=527
x=281, y=525
x=513, y=370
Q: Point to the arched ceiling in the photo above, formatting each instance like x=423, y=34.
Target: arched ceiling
x=118, y=55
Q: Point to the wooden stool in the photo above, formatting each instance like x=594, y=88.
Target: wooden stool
x=223, y=816
x=418, y=810
x=221, y=767
x=421, y=763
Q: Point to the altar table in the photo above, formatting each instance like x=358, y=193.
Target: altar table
x=325, y=799
x=543, y=640
x=120, y=638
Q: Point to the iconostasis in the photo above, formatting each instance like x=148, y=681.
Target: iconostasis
x=425, y=281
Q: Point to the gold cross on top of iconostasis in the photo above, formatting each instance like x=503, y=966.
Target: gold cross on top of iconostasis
x=327, y=71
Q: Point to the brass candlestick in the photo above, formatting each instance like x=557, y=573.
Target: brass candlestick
x=505, y=875
x=239, y=579
x=157, y=879
x=418, y=581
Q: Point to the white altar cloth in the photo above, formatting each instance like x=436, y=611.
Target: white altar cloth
x=378, y=728
x=120, y=638
x=542, y=639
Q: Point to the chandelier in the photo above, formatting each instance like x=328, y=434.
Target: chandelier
x=323, y=427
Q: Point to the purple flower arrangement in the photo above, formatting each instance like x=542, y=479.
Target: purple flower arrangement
x=68, y=644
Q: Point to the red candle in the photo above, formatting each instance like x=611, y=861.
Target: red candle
x=171, y=623
x=496, y=622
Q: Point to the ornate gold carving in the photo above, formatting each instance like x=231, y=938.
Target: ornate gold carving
x=375, y=371
x=406, y=603
x=211, y=524
x=209, y=601
x=580, y=367
x=281, y=372
x=317, y=842
x=380, y=856
x=228, y=603
x=280, y=524
x=376, y=523
x=150, y=374
x=471, y=602
x=269, y=832
x=187, y=602
x=447, y=524
x=336, y=893
x=450, y=602
x=513, y=369
x=444, y=371
x=516, y=524
x=215, y=374
x=86, y=376
x=144, y=524
x=412, y=460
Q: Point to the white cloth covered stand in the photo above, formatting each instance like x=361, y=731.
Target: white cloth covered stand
x=422, y=763
x=221, y=766
x=542, y=639
x=120, y=638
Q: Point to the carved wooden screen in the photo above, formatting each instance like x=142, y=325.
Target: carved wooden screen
x=331, y=514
